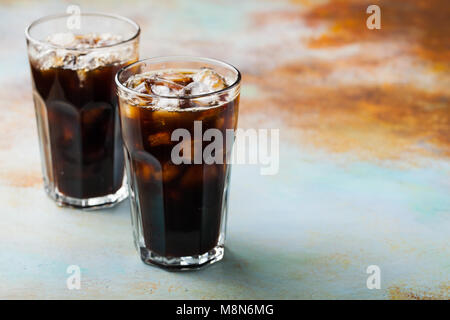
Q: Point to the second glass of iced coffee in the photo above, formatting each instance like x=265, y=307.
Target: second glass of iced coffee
x=73, y=63
x=171, y=110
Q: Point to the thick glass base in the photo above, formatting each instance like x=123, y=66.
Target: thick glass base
x=182, y=263
x=107, y=201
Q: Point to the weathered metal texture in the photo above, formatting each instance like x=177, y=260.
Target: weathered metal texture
x=364, y=119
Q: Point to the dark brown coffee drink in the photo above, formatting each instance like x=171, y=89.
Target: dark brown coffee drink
x=78, y=116
x=179, y=206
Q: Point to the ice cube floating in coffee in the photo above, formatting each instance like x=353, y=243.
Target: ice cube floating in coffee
x=166, y=84
x=75, y=52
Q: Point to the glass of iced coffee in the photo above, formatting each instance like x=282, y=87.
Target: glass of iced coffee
x=179, y=116
x=73, y=64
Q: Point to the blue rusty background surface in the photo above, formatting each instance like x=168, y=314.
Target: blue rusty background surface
x=364, y=119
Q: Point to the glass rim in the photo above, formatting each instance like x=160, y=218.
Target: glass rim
x=90, y=14
x=121, y=86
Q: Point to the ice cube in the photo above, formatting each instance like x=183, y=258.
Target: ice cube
x=211, y=79
x=195, y=88
x=93, y=114
x=162, y=90
x=46, y=58
x=68, y=135
x=163, y=87
x=61, y=39
x=130, y=111
x=178, y=85
x=81, y=73
x=193, y=176
x=159, y=84
x=163, y=118
x=108, y=39
x=179, y=77
x=197, y=175
x=147, y=168
x=148, y=172
x=158, y=139
x=170, y=171
x=142, y=88
x=69, y=60
x=164, y=103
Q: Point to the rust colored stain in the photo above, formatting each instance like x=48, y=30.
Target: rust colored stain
x=423, y=24
x=399, y=293
x=382, y=121
x=144, y=287
x=379, y=100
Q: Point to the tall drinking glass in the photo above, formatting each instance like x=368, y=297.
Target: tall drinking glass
x=73, y=62
x=178, y=117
